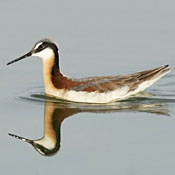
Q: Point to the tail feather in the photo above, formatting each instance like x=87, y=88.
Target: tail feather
x=147, y=78
x=155, y=73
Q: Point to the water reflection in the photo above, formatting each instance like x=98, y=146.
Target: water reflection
x=49, y=144
x=56, y=112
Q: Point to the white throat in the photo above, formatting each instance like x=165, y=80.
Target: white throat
x=44, y=54
x=48, y=57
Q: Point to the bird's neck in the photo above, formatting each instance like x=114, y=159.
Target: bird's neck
x=54, y=80
x=55, y=64
x=50, y=70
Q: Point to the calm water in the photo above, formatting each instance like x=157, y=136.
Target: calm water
x=135, y=136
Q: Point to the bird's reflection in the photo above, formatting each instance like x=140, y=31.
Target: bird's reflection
x=55, y=113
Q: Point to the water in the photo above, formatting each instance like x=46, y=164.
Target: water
x=134, y=136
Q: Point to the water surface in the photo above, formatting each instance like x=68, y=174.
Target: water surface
x=134, y=136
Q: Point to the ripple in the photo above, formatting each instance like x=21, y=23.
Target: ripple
x=153, y=101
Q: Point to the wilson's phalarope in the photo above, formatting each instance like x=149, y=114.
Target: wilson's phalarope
x=89, y=90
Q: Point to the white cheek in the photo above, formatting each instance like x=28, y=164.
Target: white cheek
x=44, y=54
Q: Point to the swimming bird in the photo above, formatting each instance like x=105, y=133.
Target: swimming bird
x=103, y=89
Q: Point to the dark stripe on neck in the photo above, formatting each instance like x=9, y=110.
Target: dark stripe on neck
x=55, y=68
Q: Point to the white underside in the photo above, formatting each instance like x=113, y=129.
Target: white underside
x=96, y=97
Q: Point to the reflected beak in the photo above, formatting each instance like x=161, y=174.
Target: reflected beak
x=21, y=138
x=20, y=58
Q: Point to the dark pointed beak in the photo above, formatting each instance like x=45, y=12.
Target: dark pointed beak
x=20, y=58
x=21, y=138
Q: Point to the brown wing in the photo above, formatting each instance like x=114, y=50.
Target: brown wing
x=109, y=83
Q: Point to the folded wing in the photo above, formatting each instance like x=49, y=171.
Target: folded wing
x=132, y=81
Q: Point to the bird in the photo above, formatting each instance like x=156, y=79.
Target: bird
x=99, y=89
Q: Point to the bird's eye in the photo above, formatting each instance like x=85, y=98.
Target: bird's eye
x=41, y=47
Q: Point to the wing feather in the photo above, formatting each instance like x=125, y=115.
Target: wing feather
x=109, y=83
